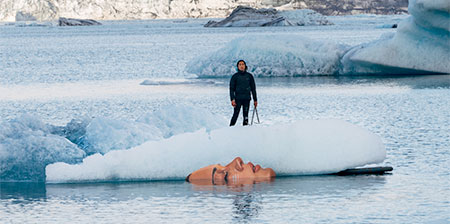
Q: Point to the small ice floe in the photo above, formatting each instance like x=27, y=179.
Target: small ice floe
x=244, y=16
x=152, y=82
x=77, y=22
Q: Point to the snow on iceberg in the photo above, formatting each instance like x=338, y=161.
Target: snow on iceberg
x=421, y=44
x=27, y=145
x=244, y=16
x=304, y=147
x=271, y=55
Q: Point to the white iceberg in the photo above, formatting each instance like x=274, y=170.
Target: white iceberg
x=421, y=44
x=271, y=55
x=301, y=148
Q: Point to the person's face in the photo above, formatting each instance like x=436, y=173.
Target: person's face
x=236, y=172
x=241, y=66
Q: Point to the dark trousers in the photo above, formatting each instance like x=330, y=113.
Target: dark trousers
x=245, y=105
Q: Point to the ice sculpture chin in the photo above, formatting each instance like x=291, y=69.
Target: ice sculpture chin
x=421, y=44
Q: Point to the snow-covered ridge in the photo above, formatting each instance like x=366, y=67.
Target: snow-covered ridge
x=151, y=9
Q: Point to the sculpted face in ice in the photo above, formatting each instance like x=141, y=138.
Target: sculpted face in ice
x=236, y=172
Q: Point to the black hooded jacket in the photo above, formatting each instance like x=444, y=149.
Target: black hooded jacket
x=241, y=84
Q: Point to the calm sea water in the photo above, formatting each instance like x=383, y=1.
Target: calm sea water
x=61, y=73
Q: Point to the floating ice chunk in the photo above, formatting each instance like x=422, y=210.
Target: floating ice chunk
x=244, y=16
x=176, y=82
x=271, y=55
x=420, y=45
x=27, y=146
x=304, y=147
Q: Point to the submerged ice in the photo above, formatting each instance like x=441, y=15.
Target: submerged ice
x=304, y=147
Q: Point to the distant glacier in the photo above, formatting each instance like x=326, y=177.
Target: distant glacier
x=45, y=10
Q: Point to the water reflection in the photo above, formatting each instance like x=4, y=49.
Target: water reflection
x=23, y=191
x=246, y=206
x=239, y=203
x=307, y=185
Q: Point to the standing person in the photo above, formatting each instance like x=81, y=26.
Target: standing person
x=241, y=84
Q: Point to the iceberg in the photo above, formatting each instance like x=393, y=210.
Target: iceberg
x=300, y=148
x=421, y=44
x=27, y=145
x=244, y=16
x=271, y=56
